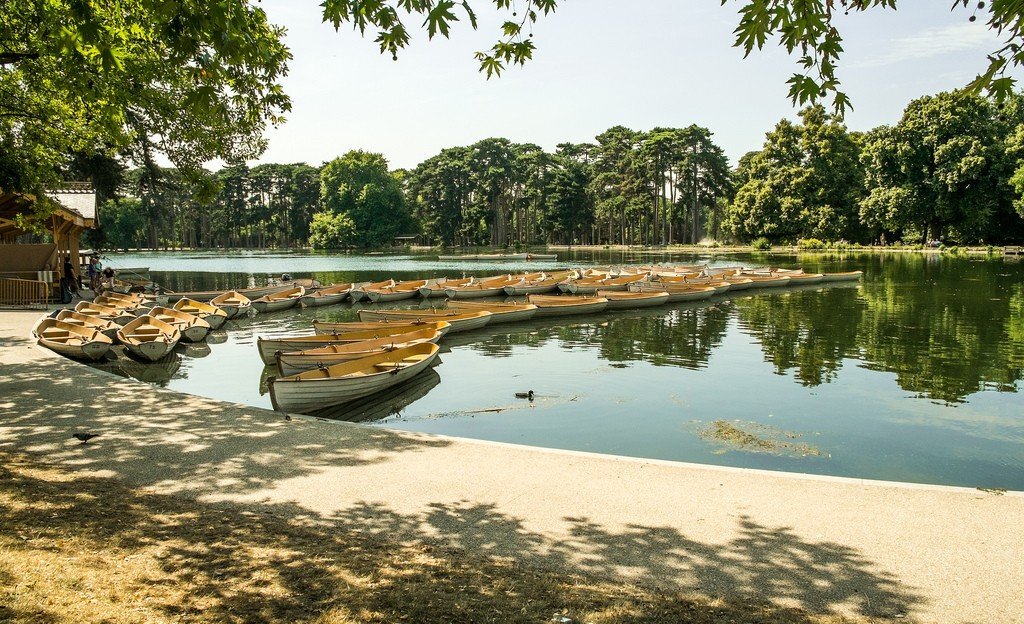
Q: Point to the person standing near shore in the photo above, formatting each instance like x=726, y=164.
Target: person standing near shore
x=94, y=271
x=69, y=276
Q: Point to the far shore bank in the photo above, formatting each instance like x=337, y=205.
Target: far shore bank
x=995, y=251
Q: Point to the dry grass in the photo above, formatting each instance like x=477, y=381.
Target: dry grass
x=83, y=548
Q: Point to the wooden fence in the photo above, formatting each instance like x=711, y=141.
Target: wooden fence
x=23, y=293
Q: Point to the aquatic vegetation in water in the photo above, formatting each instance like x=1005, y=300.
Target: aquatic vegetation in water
x=757, y=438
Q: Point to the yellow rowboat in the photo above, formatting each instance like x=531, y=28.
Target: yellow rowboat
x=74, y=341
x=323, y=327
x=500, y=312
x=765, y=281
x=545, y=284
x=149, y=338
x=796, y=279
x=250, y=293
x=737, y=283
x=139, y=298
x=677, y=292
x=279, y=300
x=340, y=383
x=107, y=327
x=295, y=362
x=329, y=295
x=459, y=320
x=117, y=315
x=192, y=328
x=121, y=304
x=435, y=288
x=589, y=286
x=269, y=346
x=849, y=276
x=623, y=300
x=206, y=311
x=398, y=292
x=490, y=287
x=720, y=285
x=562, y=305
x=358, y=293
x=233, y=303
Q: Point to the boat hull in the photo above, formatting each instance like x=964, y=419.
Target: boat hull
x=851, y=276
x=457, y=324
x=312, y=301
x=598, y=305
x=628, y=303
x=274, y=306
x=306, y=395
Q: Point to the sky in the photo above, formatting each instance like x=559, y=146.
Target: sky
x=598, y=63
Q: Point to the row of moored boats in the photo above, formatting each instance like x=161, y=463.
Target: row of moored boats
x=341, y=362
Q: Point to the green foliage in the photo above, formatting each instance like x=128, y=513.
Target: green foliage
x=124, y=223
x=761, y=244
x=811, y=243
x=192, y=80
x=331, y=231
x=805, y=182
x=940, y=172
x=360, y=186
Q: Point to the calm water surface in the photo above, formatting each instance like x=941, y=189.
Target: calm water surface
x=912, y=374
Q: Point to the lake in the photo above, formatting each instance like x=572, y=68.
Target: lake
x=913, y=374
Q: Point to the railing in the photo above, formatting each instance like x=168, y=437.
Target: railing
x=22, y=293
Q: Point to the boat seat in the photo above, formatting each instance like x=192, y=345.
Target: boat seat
x=54, y=332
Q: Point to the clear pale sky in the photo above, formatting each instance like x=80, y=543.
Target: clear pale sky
x=661, y=63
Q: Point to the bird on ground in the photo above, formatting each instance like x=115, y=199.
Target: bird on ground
x=84, y=437
x=287, y=417
x=525, y=395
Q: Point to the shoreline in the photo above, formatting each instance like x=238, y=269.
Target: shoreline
x=938, y=553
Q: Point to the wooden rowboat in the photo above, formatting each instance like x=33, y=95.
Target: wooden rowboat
x=209, y=295
x=358, y=293
x=589, y=286
x=340, y=383
x=720, y=286
x=500, y=312
x=121, y=304
x=625, y=300
x=324, y=327
x=74, y=341
x=269, y=346
x=563, y=305
x=233, y=303
x=796, y=279
x=279, y=300
x=737, y=283
x=459, y=320
x=398, y=292
x=192, y=328
x=292, y=363
x=117, y=315
x=490, y=287
x=435, y=288
x=107, y=327
x=849, y=276
x=206, y=311
x=149, y=338
x=545, y=284
x=765, y=281
x=677, y=292
x=329, y=295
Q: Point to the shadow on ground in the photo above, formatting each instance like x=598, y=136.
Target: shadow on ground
x=172, y=557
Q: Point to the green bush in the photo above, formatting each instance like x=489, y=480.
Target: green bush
x=810, y=243
x=761, y=244
x=331, y=231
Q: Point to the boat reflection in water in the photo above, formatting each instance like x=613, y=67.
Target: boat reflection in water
x=383, y=404
x=159, y=372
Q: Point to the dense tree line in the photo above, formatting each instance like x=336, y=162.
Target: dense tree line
x=951, y=169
